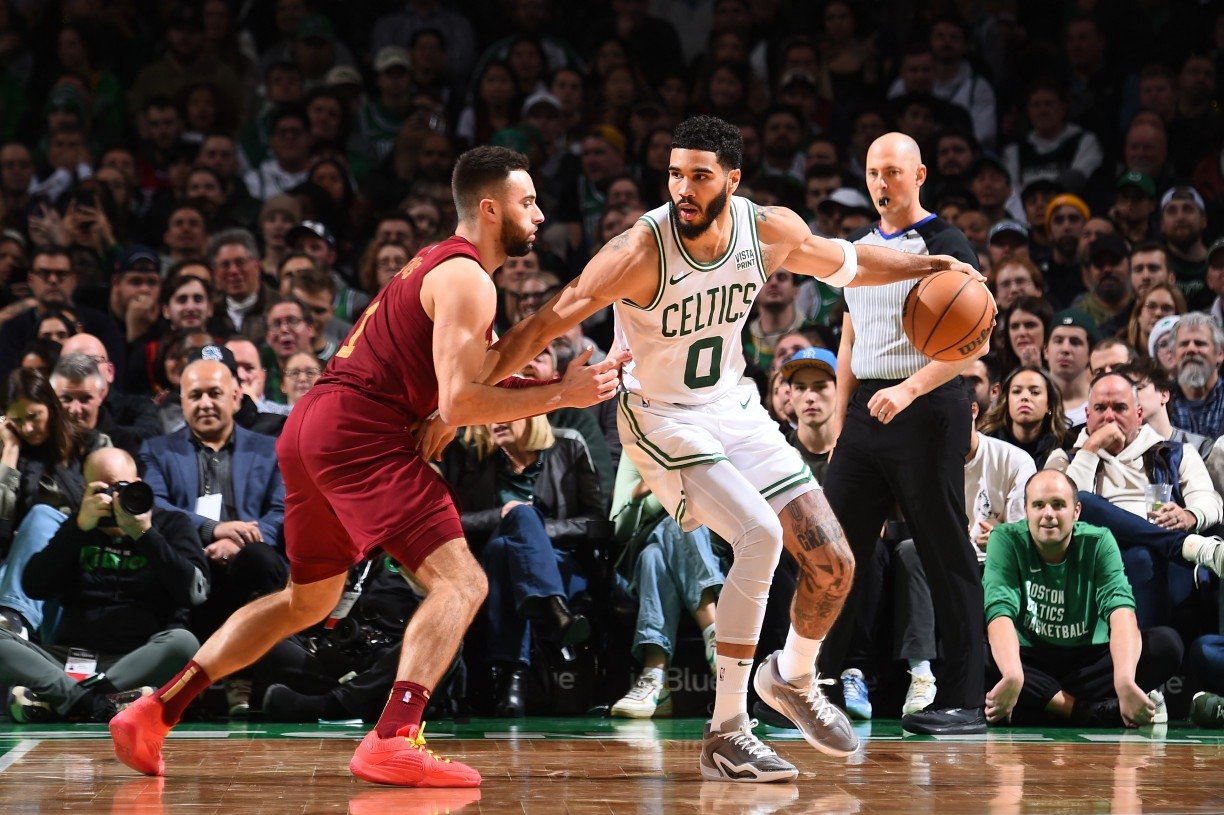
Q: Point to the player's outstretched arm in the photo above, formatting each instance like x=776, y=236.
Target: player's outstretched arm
x=625, y=268
x=460, y=298
x=837, y=262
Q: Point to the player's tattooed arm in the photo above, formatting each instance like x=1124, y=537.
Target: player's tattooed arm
x=620, y=243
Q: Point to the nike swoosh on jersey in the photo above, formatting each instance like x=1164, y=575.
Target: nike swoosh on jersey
x=674, y=279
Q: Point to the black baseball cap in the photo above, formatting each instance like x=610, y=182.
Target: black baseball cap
x=312, y=229
x=214, y=353
x=139, y=254
x=1108, y=245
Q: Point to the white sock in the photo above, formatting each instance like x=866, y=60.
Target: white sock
x=657, y=673
x=731, y=691
x=921, y=667
x=798, y=657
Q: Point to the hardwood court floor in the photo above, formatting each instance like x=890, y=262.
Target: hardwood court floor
x=590, y=765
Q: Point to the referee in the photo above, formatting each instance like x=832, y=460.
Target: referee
x=905, y=433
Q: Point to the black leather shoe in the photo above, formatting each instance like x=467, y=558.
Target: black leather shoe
x=283, y=704
x=945, y=722
x=1101, y=713
x=560, y=625
x=511, y=693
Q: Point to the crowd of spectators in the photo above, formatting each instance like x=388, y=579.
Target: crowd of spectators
x=199, y=199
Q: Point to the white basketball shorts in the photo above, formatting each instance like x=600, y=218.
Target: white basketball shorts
x=663, y=440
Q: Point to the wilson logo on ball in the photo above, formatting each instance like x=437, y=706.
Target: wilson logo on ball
x=948, y=315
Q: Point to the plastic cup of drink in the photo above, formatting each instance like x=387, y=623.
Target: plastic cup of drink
x=1156, y=496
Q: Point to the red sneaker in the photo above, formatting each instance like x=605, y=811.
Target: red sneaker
x=405, y=761
x=138, y=733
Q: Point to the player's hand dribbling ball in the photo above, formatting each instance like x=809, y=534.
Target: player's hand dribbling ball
x=948, y=316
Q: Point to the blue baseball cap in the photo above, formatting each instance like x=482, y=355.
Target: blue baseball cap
x=821, y=358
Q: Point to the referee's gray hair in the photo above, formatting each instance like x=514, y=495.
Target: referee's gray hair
x=78, y=368
x=1199, y=319
x=229, y=237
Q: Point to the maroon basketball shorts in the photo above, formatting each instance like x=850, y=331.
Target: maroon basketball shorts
x=353, y=483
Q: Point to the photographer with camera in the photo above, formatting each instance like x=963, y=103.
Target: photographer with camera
x=124, y=576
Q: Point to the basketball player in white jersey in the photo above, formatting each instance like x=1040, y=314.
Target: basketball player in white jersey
x=682, y=281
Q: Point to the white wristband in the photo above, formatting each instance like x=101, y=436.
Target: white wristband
x=849, y=268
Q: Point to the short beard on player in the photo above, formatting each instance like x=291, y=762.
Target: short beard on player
x=515, y=242
x=695, y=229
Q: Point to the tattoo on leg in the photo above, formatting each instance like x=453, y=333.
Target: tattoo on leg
x=826, y=566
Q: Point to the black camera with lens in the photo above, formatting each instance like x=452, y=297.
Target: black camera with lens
x=351, y=646
x=136, y=498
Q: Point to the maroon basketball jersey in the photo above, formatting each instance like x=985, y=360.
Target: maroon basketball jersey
x=388, y=356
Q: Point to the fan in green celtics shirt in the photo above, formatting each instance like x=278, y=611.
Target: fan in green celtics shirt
x=1061, y=621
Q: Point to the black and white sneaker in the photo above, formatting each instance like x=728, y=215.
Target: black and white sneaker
x=27, y=707
x=734, y=753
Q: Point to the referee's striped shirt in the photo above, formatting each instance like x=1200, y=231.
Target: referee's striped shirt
x=881, y=350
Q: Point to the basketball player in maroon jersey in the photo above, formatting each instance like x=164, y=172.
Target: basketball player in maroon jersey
x=356, y=481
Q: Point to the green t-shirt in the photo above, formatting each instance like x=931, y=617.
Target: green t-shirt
x=1062, y=604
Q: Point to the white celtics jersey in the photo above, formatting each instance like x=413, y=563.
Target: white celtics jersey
x=686, y=342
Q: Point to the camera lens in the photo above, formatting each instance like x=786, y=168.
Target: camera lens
x=136, y=497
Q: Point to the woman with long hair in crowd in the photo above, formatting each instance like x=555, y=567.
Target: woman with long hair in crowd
x=528, y=496
x=41, y=483
x=379, y=263
x=1028, y=413
x=1162, y=300
x=1026, y=326
x=495, y=105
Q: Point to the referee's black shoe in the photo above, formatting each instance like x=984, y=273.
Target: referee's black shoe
x=953, y=721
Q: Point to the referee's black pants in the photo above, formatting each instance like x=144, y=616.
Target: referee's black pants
x=917, y=461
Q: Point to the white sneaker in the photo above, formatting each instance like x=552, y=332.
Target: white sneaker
x=238, y=697
x=1161, y=716
x=1209, y=553
x=648, y=697
x=921, y=693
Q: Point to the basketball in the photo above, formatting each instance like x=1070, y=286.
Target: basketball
x=948, y=315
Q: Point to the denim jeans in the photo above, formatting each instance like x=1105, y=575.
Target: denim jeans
x=35, y=532
x=523, y=567
x=1207, y=659
x=1160, y=579
x=673, y=569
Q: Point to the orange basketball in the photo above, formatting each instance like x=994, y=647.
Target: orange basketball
x=948, y=315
